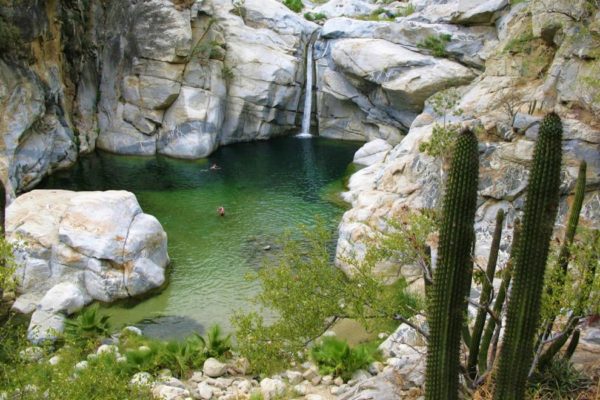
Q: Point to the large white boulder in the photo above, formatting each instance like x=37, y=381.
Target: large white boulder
x=76, y=247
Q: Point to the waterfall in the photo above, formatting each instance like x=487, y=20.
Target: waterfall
x=305, y=132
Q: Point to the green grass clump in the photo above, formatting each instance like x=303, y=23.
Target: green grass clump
x=294, y=5
x=335, y=357
x=559, y=381
x=436, y=44
x=87, y=325
x=315, y=16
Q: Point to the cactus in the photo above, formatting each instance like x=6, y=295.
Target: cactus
x=484, y=299
x=572, y=345
x=2, y=209
x=452, y=277
x=565, y=253
x=499, y=302
x=524, y=305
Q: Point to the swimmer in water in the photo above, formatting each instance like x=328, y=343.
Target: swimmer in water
x=221, y=211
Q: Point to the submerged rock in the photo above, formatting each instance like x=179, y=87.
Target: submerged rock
x=76, y=247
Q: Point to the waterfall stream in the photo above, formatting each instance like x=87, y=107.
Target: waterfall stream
x=305, y=132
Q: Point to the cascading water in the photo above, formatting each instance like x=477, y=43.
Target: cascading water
x=305, y=132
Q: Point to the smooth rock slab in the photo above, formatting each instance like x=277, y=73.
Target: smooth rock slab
x=372, y=152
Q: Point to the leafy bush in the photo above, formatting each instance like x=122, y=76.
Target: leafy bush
x=309, y=294
x=443, y=135
x=294, y=5
x=436, y=44
x=103, y=379
x=335, y=357
x=87, y=325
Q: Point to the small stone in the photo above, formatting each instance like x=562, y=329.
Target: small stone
x=141, y=379
x=92, y=357
x=214, y=368
x=205, y=391
x=327, y=380
x=121, y=359
x=293, y=377
x=360, y=375
x=107, y=348
x=240, y=366
x=223, y=383
x=266, y=248
x=165, y=392
x=144, y=348
x=32, y=354
x=314, y=397
x=171, y=381
x=375, y=368
x=133, y=329
x=338, y=381
x=54, y=360
x=271, y=388
x=81, y=365
x=197, y=377
x=244, y=386
x=302, y=388
x=310, y=373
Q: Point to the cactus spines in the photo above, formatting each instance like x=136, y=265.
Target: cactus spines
x=484, y=299
x=524, y=304
x=447, y=299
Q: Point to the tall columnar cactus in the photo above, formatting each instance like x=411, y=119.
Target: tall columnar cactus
x=499, y=302
x=524, y=305
x=563, y=257
x=2, y=208
x=452, y=277
x=484, y=299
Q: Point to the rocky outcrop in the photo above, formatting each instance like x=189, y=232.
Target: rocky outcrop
x=373, y=77
x=160, y=76
x=76, y=247
x=504, y=105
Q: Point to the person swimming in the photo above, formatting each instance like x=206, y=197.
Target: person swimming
x=221, y=211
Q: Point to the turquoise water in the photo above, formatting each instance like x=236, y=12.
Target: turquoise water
x=266, y=188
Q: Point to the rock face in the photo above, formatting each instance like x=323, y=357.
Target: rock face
x=76, y=247
x=504, y=105
x=170, y=77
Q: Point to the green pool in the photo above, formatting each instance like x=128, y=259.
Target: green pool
x=266, y=188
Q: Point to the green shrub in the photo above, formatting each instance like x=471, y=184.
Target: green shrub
x=559, y=381
x=315, y=16
x=436, y=44
x=309, y=294
x=294, y=5
x=216, y=345
x=103, y=379
x=443, y=135
x=335, y=357
x=87, y=326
